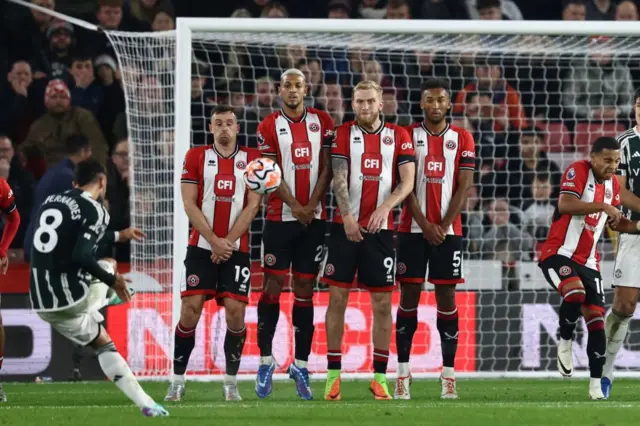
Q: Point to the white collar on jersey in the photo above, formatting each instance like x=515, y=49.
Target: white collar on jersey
x=375, y=132
x=291, y=120
x=446, y=129
x=235, y=151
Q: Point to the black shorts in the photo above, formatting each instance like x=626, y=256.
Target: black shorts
x=445, y=260
x=230, y=279
x=373, y=259
x=293, y=246
x=559, y=270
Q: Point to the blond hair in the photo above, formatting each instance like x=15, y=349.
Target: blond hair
x=368, y=85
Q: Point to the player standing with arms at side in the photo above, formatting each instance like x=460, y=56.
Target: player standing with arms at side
x=431, y=232
x=63, y=261
x=570, y=261
x=299, y=140
x=217, y=265
x=626, y=276
x=367, y=157
x=12, y=223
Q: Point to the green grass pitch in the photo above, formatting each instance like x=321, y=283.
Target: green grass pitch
x=482, y=402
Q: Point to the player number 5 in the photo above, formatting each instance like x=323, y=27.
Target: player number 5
x=50, y=220
x=456, y=259
x=243, y=272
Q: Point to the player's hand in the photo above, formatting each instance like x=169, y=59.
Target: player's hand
x=216, y=259
x=309, y=213
x=131, y=234
x=378, y=219
x=434, y=234
x=4, y=264
x=121, y=288
x=300, y=213
x=222, y=248
x=352, y=229
x=614, y=215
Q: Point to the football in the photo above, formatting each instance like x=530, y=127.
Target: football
x=263, y=175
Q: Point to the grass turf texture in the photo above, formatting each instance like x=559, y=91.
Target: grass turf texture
x=482, y=402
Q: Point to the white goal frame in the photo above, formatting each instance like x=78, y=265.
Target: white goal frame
x=186, y=26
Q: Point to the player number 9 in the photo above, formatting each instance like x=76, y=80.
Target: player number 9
x=388, y=263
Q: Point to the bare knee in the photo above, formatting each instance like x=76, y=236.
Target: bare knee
x=625, y=300
x=273, y=284
x=573, y=292
x=191, y=310
x=338, y=299
x=446, y=297
x=303, y=287
x=234, y=313
x=381, y=304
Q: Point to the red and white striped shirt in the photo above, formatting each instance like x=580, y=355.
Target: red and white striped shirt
x=373, y=160
x=576, y=237
x=7, y=200
x=222, y=194
x=298, y=145
x=439, y=159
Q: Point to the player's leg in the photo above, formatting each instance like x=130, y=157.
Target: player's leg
x=596, y=347
x=376, y=272
x=276, y=261
x=625, y=299
x=307, y=257
x=198, y=285
x=410, y=272
x=3, y=396
x=233, y=290
x=445, y=272
x=339, y=272
x=560, y=272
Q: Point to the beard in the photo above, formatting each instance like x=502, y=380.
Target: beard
x=368, y=120
x=292, y=104
x=435, y=120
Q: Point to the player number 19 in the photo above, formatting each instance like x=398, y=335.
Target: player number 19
x=243, y=272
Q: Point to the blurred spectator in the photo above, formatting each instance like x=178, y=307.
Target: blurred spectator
x=200, y=107
x=109, y=17
x=340, y=9
x=443, y=9
x=574, y=10
x=163, y=20
x=47, y=135
x=118, y=195
x=114, y=102
x=247, y=118
x=600, y=10
x=312, y=70
x=503, y=239
x=508, y=9
x=391, y=110
x=333, y=102
x=489, y=79
x=19, y=106
x=265, y=99
x=58, y=179
x=56, y=60
x=489, y=10
x=22, y=185
x=273, y=9
x=139, y=14
x=255, y=7
x=538, y=212
x=241, y=13
x=626, y=11
x=27, y=36
x=598, y=87
x=87, y=93
x=398, y=9
x=472, y=218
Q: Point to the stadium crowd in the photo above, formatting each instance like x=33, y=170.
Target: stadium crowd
x=62, y=99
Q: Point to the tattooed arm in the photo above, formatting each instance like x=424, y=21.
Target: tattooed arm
x=340, y=168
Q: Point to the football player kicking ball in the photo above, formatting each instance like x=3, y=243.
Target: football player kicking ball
x=431, y=232
x=12, y=223
x=626, y=276
x=570, y=261
x=368, y=156
x=220, y=209
x=299, y=140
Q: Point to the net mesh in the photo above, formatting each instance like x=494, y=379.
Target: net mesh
x=569, y=89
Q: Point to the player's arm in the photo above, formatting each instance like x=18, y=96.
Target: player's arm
x=12, y=223
x=574, y=206
x=340, y=186
x=627, y=226
x=246, y=216
x=324, y=176
x=466, y=167
x=83, y=251
x=407, y=172
x=416, y=212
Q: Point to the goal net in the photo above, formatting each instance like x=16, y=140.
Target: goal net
x=534, y=104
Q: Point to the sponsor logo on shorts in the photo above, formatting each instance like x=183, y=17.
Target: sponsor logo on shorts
x=565, y=270
x=387, y=140
x=241, y=165
x=451, y=145
x=314, y=127
x=329, y=269
x=401, y=268
x=269, y=259
x=193, y=280
x=617, y=273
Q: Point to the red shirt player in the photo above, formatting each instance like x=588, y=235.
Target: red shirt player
x=368, y=155
x=570, y=259
x=431, y=231
x=220, y=209
x=299, y=140
x=12, y=223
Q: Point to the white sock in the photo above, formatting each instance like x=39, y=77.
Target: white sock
x=266, y=360
x=616, y=328
x=177, y=378
x=403, y=369
x=301, y=364
x=594, y=383
x=229, y=380
x=448, y=373
x=117, y=370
